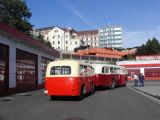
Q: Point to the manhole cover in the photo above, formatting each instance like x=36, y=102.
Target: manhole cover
x=74, y=118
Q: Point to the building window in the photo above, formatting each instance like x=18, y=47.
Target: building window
x=75, y=42
x=55, y=31
x=66, y=48
x=58, y=36
x=66, y=42
x=58, y=42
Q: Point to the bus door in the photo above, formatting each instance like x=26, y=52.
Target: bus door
x=85, y=77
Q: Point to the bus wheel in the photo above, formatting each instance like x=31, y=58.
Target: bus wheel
x=82, y=93
x=51, y=98
x=113, y=84
x=93, y=89
x=125, y=84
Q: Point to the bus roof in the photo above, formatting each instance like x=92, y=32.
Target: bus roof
x=74, y=65
x=102, y=65
x=67, y=62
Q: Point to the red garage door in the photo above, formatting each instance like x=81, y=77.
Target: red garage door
x=4, y=74
x=26, y=71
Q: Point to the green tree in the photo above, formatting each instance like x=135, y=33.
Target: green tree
x=152, y=47
x=41, y=39
x=16, y=14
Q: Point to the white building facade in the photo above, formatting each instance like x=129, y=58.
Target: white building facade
x=89, y=37
x=110, y=37
x=62, y=39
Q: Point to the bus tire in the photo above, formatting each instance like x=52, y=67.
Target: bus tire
x=126, y=82
x=51, y=98
x=113, y=84
x=81, y=97
x=93, y=89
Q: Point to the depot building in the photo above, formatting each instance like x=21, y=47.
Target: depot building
x=149, y=66
x=23, y=61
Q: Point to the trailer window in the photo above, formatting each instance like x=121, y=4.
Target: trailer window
x=107, y=70
x=60, y=70
x=112, y=70
x=86, y=70
x=103, y=70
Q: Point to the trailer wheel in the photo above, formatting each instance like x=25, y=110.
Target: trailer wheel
x=81, y=97
x=125, y=84
x=93, y=89
x=113, y=84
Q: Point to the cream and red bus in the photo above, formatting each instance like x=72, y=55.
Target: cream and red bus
x=108, y=75
x=69, y=78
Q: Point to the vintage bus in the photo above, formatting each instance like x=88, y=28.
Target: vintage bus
x=69, y=78
x=107, y=75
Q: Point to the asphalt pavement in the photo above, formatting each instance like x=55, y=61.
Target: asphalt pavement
x=122, y=103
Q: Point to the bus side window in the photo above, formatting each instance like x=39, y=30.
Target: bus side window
x=118, y=70
x=81, y=70
x=115, y=70
x=89, y=70
x=92, y=70
x=85, y=71
x=103, y=70
x=107, y=70
x=111, y=69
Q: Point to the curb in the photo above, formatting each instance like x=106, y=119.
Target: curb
x=149, y=96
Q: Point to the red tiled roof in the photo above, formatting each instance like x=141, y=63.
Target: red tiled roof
x=102, y=52
x=22, y=37
x=87, y=32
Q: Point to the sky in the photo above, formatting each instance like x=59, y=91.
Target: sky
x=140, y=19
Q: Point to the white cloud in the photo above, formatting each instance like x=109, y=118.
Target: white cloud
x=77, y=13
x=137, y=38
x=81, y=17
